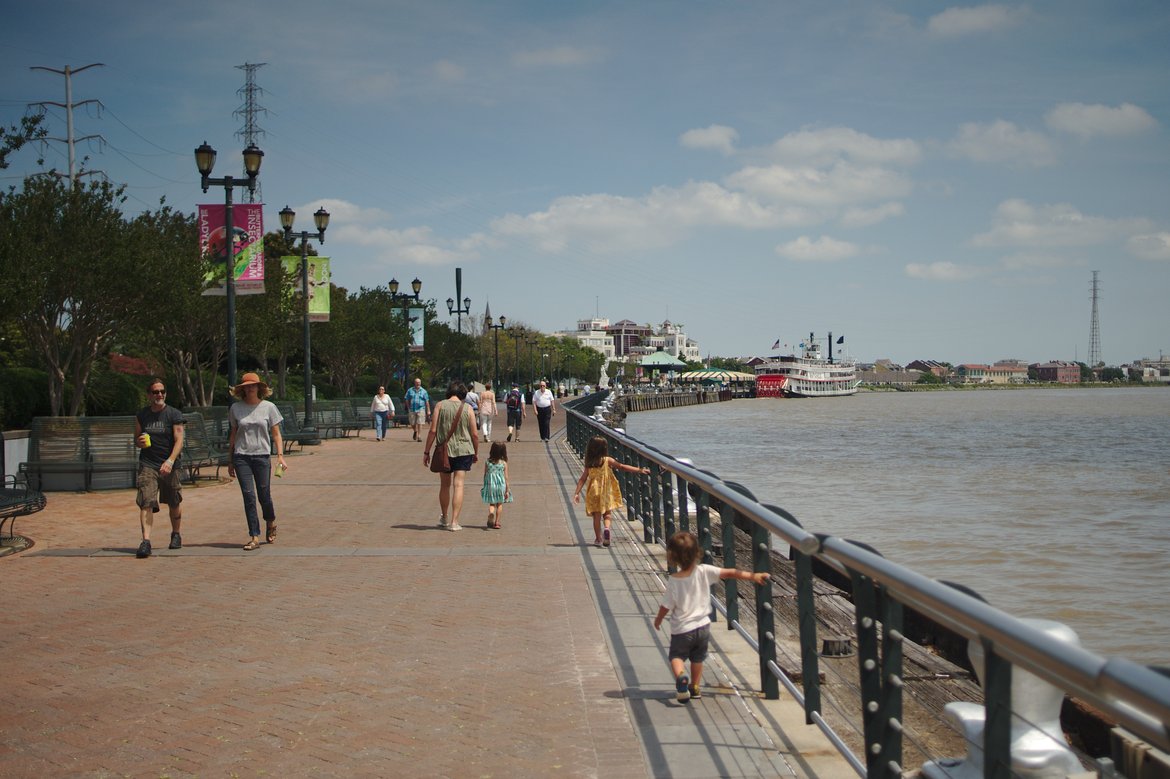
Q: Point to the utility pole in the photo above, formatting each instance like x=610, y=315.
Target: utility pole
x=249, y=110
x=69, y=105
x=1094, y=327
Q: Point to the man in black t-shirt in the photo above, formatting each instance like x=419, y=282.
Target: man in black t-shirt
x=158, y=433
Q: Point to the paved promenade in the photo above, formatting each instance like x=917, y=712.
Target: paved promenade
x=365, y=641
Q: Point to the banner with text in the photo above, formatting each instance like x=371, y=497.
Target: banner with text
x=247, y=246
x=319, y=278
x=416, y=320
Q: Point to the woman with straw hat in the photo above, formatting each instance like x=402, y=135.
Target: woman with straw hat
x=255, y=435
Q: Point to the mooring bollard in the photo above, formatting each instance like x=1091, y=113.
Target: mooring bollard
x=1038, y=749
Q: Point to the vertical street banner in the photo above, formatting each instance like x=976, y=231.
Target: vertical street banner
x=319, y=278
x=416, y=320
x=247, y=246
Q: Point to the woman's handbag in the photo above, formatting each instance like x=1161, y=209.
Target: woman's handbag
x=440, y=462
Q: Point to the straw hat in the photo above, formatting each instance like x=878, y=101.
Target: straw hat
x=251, y=378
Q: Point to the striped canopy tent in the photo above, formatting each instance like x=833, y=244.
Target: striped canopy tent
x=714, y=376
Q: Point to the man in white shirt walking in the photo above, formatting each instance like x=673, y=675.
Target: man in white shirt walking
x=545, y=404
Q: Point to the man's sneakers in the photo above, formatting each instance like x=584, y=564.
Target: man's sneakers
x=695, y=692
x=509, y=437
x=143, y=550
x=443, y=521
x=683, y=685
x=176, y=541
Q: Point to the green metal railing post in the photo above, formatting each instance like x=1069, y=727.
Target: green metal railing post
x=668, y=526
x=891, y=707
x=656, y=501
x=731, y=586
x=684, y=523
x=869, y=666
x=765, y=616
x=997, y=728
x=810, y=672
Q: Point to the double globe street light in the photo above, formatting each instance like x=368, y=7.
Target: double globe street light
x=405, y=299
x=205, y=161
x=487, y=325
x=321, y=221
x=453, y=307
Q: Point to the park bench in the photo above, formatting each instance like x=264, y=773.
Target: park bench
x=81, y=453
x=113, y=457
x=17, y=499
x=200, y=449
x=291, y=430
x=217, y=423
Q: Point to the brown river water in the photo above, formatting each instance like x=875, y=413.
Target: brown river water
x=1049, y=503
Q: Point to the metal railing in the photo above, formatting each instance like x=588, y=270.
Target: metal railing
x=1136, y=697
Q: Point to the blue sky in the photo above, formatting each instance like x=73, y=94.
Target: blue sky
x=931, y=181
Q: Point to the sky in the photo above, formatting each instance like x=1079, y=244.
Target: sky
x=929, y=181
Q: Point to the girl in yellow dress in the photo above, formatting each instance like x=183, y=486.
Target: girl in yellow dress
x=602, y=493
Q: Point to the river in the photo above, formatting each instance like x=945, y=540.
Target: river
x=1050, y=503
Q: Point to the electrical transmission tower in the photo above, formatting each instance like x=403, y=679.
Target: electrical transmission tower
x=1094, y=327
x=69, y=105
x=249, y=110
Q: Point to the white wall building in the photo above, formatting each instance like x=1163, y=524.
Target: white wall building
x=592, y=334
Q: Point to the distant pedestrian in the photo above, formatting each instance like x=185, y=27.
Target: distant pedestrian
x=688, y=602
x=158, y=434
x=487, y=411
x=515, y=405
x=545, y=405
x=497, y=488
x=472, y=400
x=418, y=407
x=602, y=492
x=255, y=434
x=453, y=425
x=383, y=410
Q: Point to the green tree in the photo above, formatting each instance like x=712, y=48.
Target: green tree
x=71, y=278
x=14, y=137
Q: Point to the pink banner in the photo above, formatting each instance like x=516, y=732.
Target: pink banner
x=248, y=246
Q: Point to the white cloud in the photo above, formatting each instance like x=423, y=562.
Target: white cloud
x=558, y=56
x=1019, y=223
x=839, y=185
x=823, y=147
x=865, y=217
x=366, y=227
x=1089, y=121
x=658, y=219
x=717, y=137
x=956, y=21
x=941, y=271
x=1002, y=142
x=823, y=249
x=1150, y=246
x=1025, y=261
x=446, y=70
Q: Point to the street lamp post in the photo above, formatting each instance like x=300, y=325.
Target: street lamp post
x=543, y=369
x=321, y=220
x=453, y=307
x=531, y=362
x=406, y=299
x=487, y=324
x=205, y=161
x=517, y=336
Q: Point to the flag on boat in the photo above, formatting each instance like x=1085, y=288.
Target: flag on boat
x=841, y=340
x=777, y=344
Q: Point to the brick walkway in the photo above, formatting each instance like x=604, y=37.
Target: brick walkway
x=364, y=642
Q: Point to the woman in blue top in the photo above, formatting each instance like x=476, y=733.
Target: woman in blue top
x=255, y=435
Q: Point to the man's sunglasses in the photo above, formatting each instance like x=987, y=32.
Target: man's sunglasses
x=158, y=392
